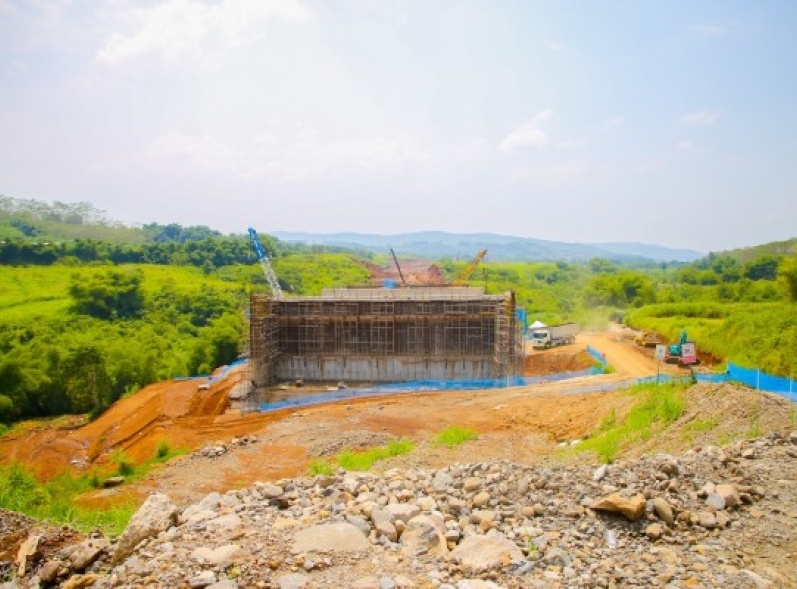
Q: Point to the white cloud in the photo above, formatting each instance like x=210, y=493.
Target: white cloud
x=528, y=134
x=185, y=29
x=614, y=122
x=701, y=117
x=554, y=46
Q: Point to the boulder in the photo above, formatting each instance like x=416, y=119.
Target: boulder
x=483, y=553
x=86, y=553
x=220, y=556
x=729, y=494
x=28, y=553
x=157, y=515
x=663, y=510
x=335, y=537
x=632, y=508
x=423, y=534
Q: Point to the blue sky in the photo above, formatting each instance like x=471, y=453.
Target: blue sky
x=670, y=122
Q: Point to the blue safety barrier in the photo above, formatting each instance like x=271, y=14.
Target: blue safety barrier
x=226, y=370
x=419, y=386
x=597, y=355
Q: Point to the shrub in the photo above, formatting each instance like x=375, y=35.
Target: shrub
x=321, y=467
x=455, y=435
x=124, y=467
x=362, y=461
x=162, y=450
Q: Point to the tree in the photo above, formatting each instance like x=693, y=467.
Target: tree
x=6, y=409
x=108, y=295
x=620, y=290
x=88, y=385
x=787, y=272
x=762, y=268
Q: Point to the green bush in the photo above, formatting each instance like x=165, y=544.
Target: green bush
x=455, y=435
x=124, y=467
x=364, y=460
x=321, y=467
x=163, y=449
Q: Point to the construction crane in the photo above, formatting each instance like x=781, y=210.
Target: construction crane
x=462, y=279
x=401, y=274
x=265, y=263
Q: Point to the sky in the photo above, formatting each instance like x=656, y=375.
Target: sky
x=666, y=121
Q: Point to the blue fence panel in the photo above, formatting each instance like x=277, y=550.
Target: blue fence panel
x=756, y=379
x=743, y=375
x=419, y=386
x=699, y=377
x=776, y=384
x=597, y=355
x=226, y=370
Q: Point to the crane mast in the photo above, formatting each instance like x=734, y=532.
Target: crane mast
x=462, y=279
x=265, y=263
x=401, y=274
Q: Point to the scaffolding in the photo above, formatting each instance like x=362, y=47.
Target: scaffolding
x=385, y=335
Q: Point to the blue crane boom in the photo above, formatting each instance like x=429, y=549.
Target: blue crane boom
x=265, y=263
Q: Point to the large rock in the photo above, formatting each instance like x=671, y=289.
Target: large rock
x=663, y=509
x=335, y=537
x=632, y=508
x=729, y=493
x=28, y=553
x=402, y=511
x=424, y=534
x=157, y=515
x=483, y=553
x=383, y=524
x=86, y=553
x=220, y=556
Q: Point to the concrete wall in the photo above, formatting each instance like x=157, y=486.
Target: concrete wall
x=383, y=369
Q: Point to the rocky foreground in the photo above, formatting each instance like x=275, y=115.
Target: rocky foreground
x=714, y=517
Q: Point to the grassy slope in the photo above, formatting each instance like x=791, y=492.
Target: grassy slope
x=43, y=291
x=760, y=335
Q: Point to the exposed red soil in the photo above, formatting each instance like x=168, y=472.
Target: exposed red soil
x=416, y=273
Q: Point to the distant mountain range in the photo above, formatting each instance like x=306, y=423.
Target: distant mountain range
x=438, y=244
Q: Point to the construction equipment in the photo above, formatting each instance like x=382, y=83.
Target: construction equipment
x=395, y=259
x=682, y=352
x=265, y=263
x=462, y=279
x=547, y=336
x=647, y=339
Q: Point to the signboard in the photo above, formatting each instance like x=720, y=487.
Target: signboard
x=688, y=353
x=661, y=352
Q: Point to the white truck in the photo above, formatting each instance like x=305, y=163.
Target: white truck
x=547, y=336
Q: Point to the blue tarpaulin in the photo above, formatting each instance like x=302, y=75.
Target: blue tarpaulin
x=420, y=386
